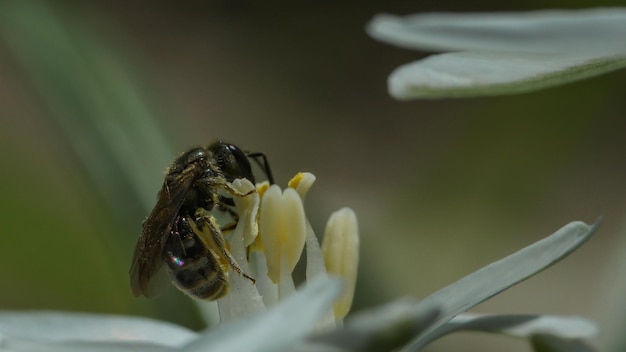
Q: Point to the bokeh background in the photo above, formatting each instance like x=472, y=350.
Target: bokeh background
x=96, y=98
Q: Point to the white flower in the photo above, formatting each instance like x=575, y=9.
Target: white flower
x=273, y=316
x=271, y=250
x=502, y=53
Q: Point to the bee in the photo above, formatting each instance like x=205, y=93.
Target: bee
x=181, y=236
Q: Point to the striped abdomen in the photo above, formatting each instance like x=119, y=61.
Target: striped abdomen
x=193, y=268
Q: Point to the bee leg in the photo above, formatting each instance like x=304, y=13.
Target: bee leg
x=235, y=192
x=225, y=201
x=217, y=241
x=224, y=204
x=229, y=227
x=265, y=165
x=178, y=223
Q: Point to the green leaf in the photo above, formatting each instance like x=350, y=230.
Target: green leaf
x=90, y=95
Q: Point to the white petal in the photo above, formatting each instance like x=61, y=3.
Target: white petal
x=524, y=326
x=314, y=259
x=266, y=287
x=465, y=74
x=592, y=31
x=77, y=327
x=502, y=53
x=527, y=325
x=302, y=183
x=308, y=346
x=277, y=329
x=498, y=276
x=243, y=298
x=383, y=328
x=315, y=267
x=17, y=345
x=551, y=343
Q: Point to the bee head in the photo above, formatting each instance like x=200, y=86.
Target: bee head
x=232, y=161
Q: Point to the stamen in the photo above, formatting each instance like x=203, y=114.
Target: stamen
x=340, y=248
x=283, y=229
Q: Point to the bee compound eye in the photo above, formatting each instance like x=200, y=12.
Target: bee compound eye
x=232, y=161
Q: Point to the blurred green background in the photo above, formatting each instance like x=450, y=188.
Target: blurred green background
x=96, y=99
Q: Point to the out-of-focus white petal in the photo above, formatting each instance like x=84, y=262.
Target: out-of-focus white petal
x=500, y=275
x=309, y=346
x=591, y=31
x=383, y=328
x=524, y=326
x=527, y=325
x=551, y=343
x=473, y=73
x=43, y=326
x=17, y=345
x=283, y=229
x=341, y=255
x=502, y=53
x=279, y=328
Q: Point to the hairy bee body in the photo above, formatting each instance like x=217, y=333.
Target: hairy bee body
x=192, y=267
x=182, y=232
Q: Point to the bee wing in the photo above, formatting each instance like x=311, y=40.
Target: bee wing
x=148, y=255
x=157, y=282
